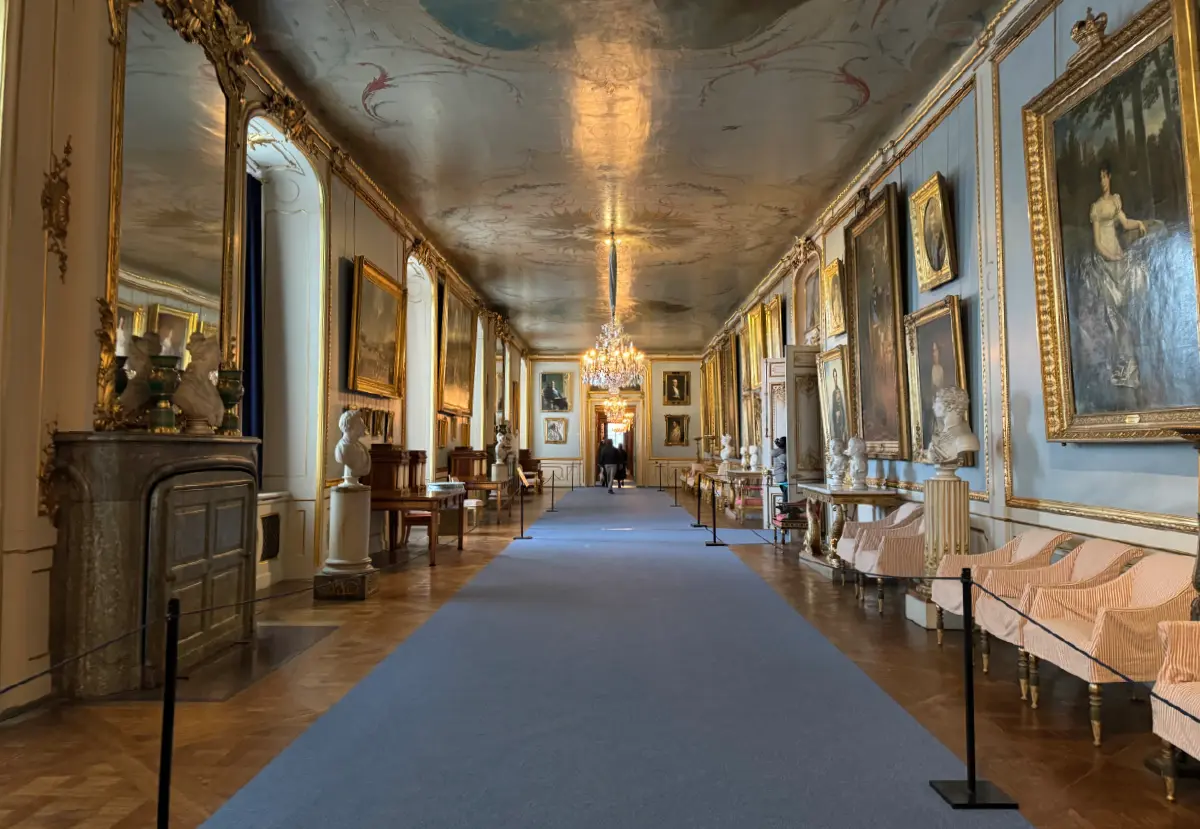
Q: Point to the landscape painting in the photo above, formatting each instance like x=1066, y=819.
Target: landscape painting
x=377, y=332
x=456, y=364
x=1113, y=243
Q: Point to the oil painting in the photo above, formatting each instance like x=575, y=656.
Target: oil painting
x=833, y=292
x=377, y=332
x=752, y=347
x=1112, y=240
x=173, y=327
x=456, y=369
x=677, y=388
x=933, y=234
x=556, y=391
x=934, y=348
x=812, y=308
x=773, y=323
x=131, y=322
x=555, y=430
x=837, y=409
x=875, y=313
x=676, y=430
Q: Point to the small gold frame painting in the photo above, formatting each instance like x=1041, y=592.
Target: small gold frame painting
x=773, y=322
x=131, y=322
x=833, y=296
x=554, y=430
x=174, y=326
x=933, y=234
x=677, y=388
x=838, y=414
x=933, y=342
x=376, y=332
x=676, y=432
x=464, y=433
x=443, y=431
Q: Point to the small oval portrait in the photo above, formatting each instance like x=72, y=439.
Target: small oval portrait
x=934, y=234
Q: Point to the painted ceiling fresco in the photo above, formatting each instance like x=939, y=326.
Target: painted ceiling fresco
x=707, y=133
x=173, y=179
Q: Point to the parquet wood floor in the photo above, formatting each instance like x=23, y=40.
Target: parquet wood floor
x=95, y=766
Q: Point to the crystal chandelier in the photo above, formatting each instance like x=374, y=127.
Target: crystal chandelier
x=614, y=363
x=614, y=408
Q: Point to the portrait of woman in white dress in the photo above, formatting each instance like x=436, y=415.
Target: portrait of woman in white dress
x=1127, y=265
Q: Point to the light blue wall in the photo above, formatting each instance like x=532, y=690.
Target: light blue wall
x=949, y=149
x=1152, y=478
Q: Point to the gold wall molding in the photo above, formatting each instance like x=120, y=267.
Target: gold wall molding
x=56, y=207
x=1150, y=520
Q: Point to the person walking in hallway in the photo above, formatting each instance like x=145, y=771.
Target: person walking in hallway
x=622, y=460
x=609, y=460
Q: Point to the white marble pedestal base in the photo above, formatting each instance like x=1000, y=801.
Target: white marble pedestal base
x=820, y=566
x=348, y=572
x=924, y=613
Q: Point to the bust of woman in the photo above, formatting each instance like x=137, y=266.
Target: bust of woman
x=953, y=436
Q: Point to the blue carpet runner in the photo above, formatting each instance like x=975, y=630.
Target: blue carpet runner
x=612, y=672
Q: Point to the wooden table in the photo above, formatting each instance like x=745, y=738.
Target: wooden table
x=402, y=500
x=501, y=488
x=839, y=499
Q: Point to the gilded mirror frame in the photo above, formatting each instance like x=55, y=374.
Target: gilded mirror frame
x=224, y=39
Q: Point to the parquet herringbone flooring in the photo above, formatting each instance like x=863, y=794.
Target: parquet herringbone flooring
x=95, y=766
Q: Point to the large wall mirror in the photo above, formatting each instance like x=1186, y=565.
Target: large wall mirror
x=168, y=225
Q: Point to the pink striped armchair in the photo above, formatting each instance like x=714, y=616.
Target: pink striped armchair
x=1178, y=683
x=1032, y=548
x=897, y=553
x=854, y=531
x=1115, y=622
x=1093, y=562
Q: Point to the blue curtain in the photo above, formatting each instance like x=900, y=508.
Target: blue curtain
x=252, y=318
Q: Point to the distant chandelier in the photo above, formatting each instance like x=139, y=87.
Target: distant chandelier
x=614, y=409
x=614, y=363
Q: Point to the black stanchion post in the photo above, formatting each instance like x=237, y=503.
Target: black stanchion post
x=522, y=536
x=698, y=523
x=572, y=477
x=167, y=744
x=552, y=477
x=676, y=504
x=660, y=489
x=714, y=542
x=970, y=793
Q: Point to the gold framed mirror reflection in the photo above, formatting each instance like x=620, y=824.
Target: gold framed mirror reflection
x=177, y=92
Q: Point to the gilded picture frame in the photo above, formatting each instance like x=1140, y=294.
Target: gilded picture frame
x=174, y=326
x=833, y=298
x=555, y=392
x=752, y=347
x=1102, y=380
x=833, y=375
x=675, y=429
x=456, y=354
x=928, y=333
x=555, y=430
x=773, y=328
x=874, y=319
x=813, y=312
x=934, y=245
x=377, y=339
x=677, y=388
x=130, y=323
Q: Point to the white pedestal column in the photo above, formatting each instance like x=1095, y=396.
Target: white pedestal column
x=947, y=532
x=348, y=572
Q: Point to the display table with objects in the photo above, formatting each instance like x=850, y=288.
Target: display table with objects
x=432, y=501
x=838, y=499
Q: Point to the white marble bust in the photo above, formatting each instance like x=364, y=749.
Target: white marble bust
x=856, y=451
x=953, y=436
x=350, y=452
x=835, y=470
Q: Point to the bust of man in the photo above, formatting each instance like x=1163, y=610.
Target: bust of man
x=953, y=436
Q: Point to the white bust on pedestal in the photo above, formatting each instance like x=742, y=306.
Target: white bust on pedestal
x=727, y=454
x=505, y=453
x=953, y=437
x=835, y=468
x=348, y=572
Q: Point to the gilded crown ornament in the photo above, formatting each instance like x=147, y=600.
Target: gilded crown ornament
x=1088, y=35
